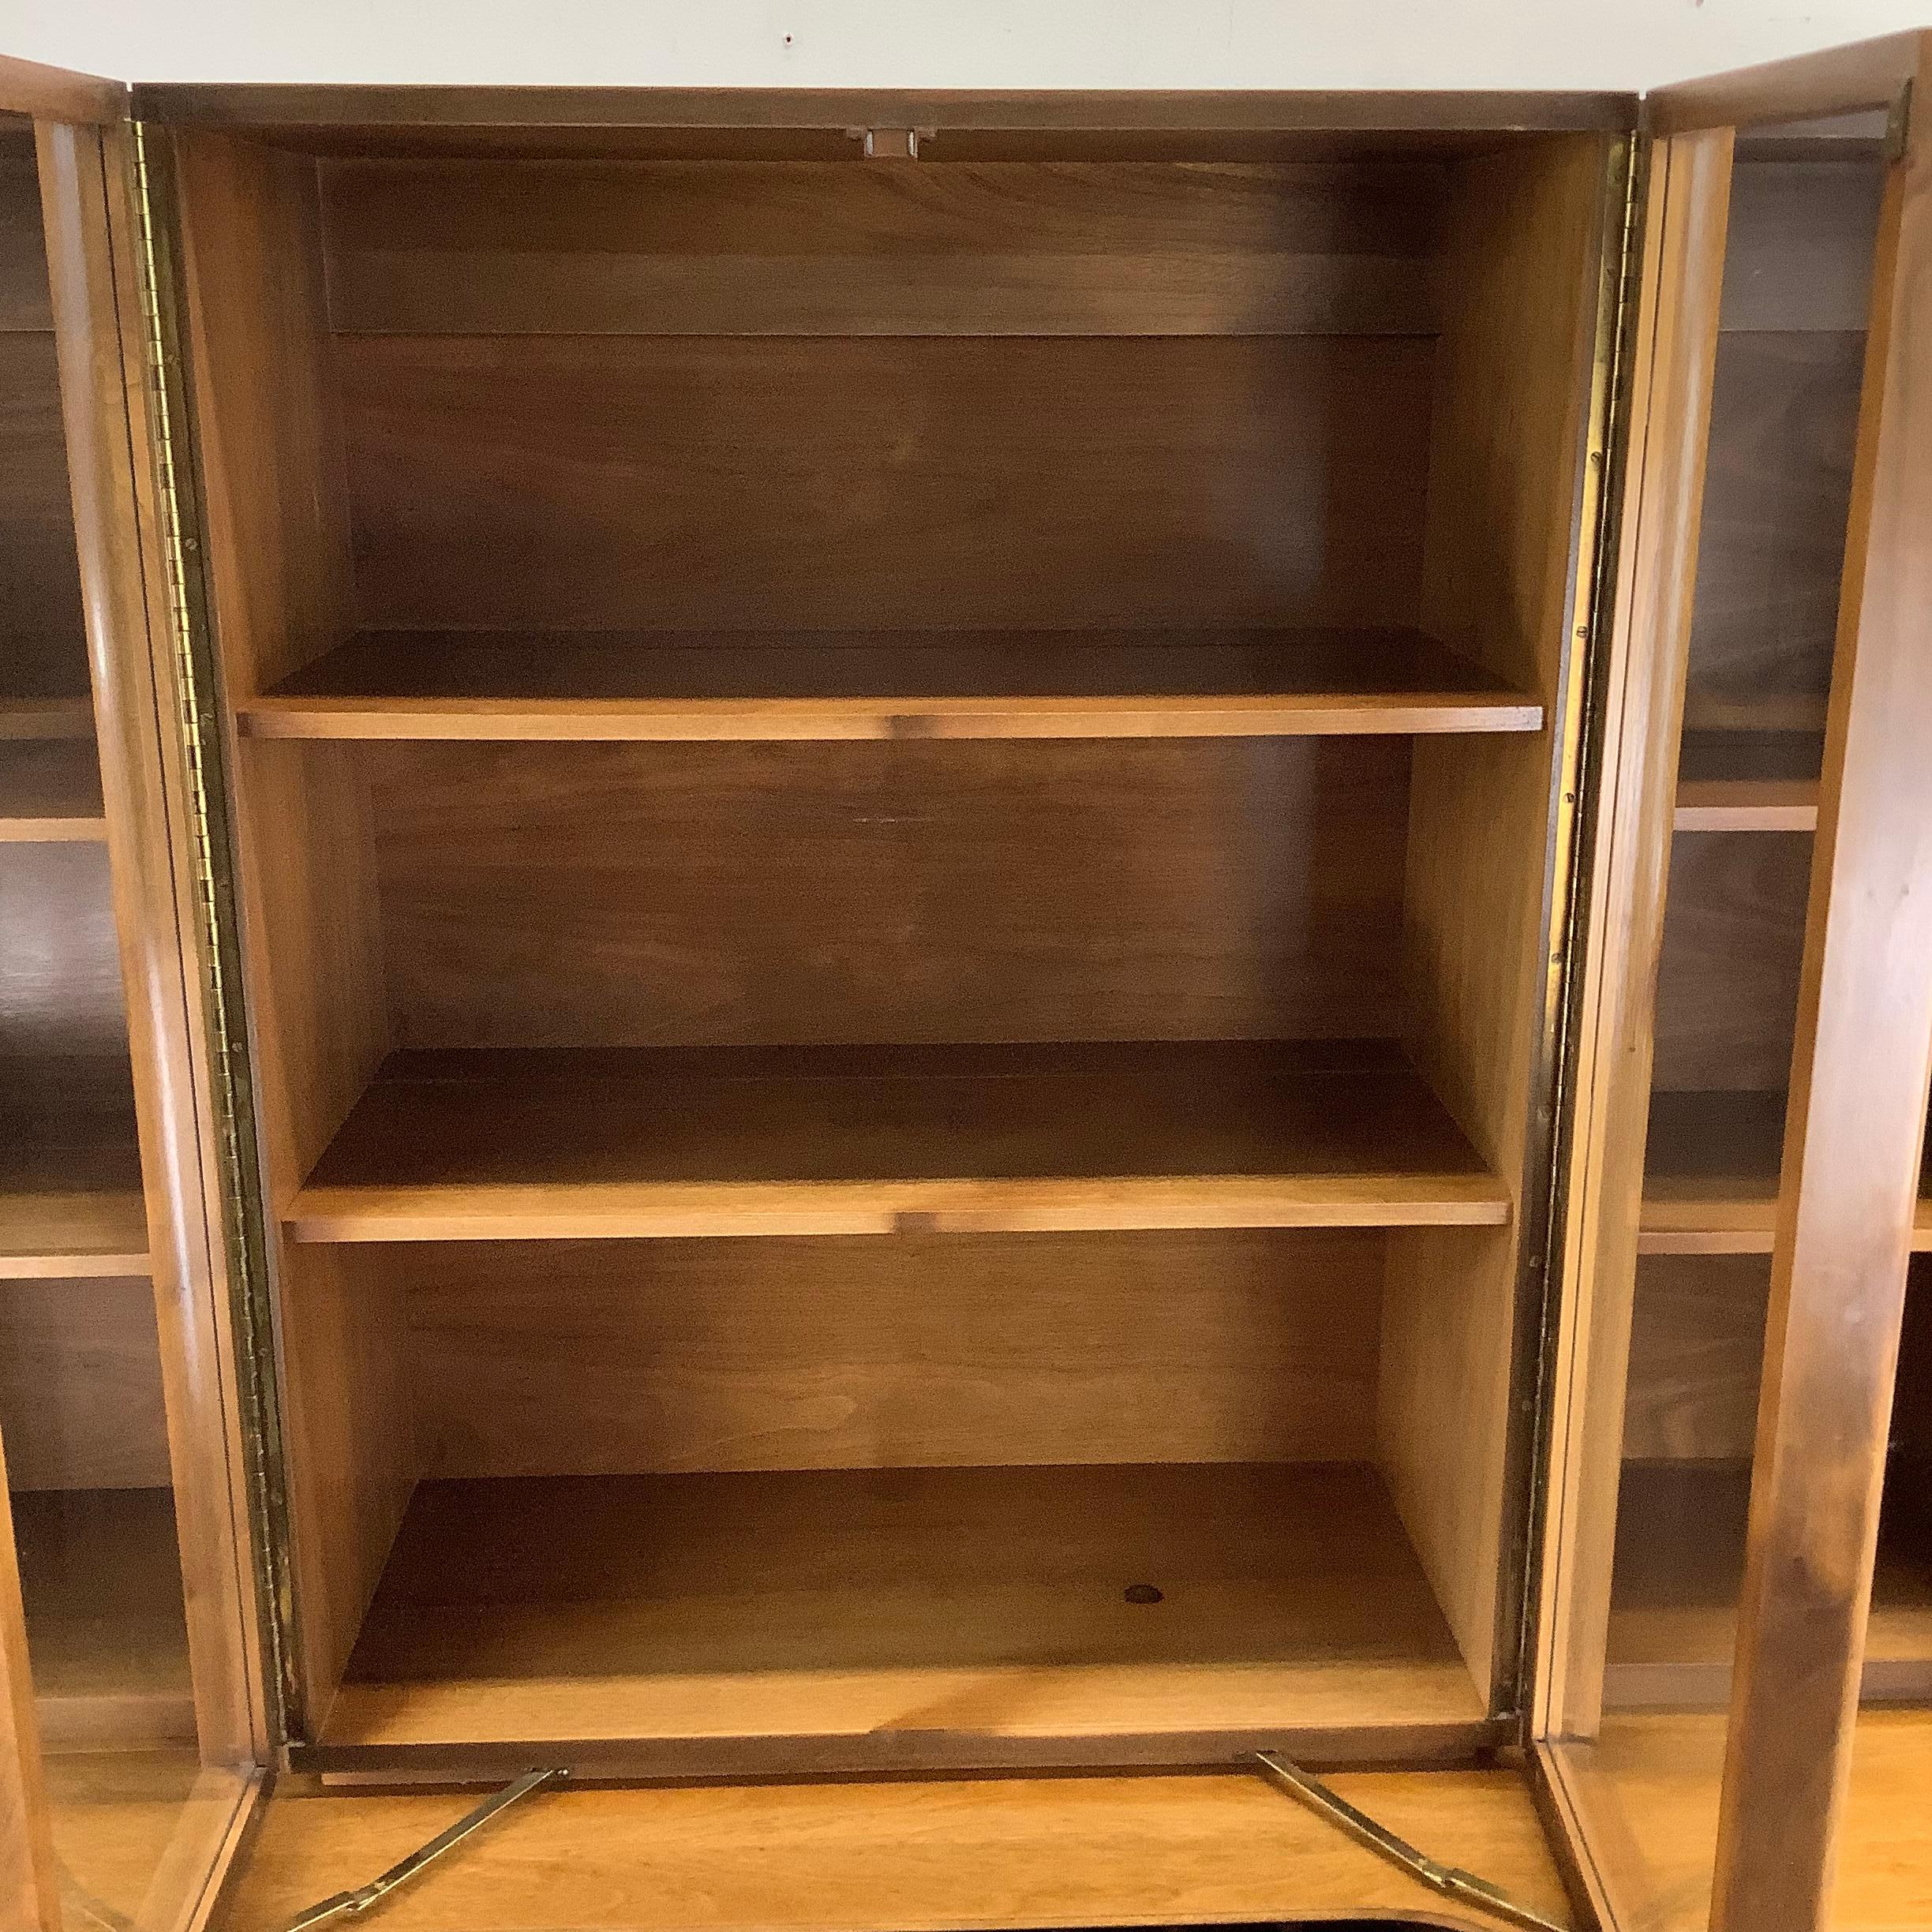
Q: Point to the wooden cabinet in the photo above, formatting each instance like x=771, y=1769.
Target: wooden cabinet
x=888, y=869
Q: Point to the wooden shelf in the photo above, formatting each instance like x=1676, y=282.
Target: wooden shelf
x=1748, y=781
x=1711, y=1178
x=107, y=1624
x=70, y=1190
x=929, y=684
x=50, y=791
x=856, y=1140
x=58, y=715
x=1679, y=1565
x=856, y=1618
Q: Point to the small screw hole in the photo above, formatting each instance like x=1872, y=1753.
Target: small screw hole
x=1141, y=1594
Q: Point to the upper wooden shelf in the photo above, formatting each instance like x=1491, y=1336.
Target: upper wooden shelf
x=927, y=684
x=1711, y=1175
x=579, y=1144
x=50, y=790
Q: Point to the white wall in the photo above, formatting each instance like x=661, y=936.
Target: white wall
x=1183, y=43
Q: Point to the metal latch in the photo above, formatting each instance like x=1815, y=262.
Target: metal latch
x=890, y=144
x=400, y=1874
x=1450, y=1880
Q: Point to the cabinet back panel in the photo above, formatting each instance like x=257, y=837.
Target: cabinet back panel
x=689, y=483
x=553, y=895
x=60, y=974
x=41, y=651
x=593, y=1358
x=1697, y=1350
x=81, y=1386
x=1727, y=998
x=24, y=303
x=736, y=248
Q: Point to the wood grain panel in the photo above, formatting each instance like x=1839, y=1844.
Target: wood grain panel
x=24, y=300
x=81, y=1385
x=1799, y=254
x=1508, y=466
x=591, y=482
x=872, y=1618
x=885, y=1856
x=590, y=1359
x=43, y=653
x=619, y=894
x=1777, y=491
x=29, y=1880
x=1727, y=977
x=1697, y=1346
x=50, y=791
x=60, y=977
x=352, y=1459
x=267, y=423
x=559, y=1145
x=735, y=248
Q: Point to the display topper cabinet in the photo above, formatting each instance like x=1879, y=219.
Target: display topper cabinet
x=833, y=1057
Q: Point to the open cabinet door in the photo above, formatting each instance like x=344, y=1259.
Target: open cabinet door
x=1745, y=1173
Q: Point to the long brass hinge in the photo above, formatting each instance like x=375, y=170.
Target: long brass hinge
x=1448, y=1881
x=211, y=867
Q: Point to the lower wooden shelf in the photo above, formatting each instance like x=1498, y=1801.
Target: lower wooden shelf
x=1679, y=1565
x=859, y=1140
x=927, y=1618
x=106, y=1625
x=1711, y=1178
x=50, y=790
x=70, y=1194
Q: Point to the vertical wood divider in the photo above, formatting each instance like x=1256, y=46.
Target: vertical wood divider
x=1853, y=1136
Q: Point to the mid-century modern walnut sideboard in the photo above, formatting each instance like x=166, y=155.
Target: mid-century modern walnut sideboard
x=971, y=1010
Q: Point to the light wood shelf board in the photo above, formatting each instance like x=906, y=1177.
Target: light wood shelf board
x=870, y=1617
x=569, y=1144
x=587, y=685
x=50, y=791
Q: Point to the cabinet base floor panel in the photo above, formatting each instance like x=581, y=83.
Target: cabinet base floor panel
x=798, y=1622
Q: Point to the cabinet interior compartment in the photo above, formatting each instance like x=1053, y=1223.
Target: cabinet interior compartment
x=898, y=823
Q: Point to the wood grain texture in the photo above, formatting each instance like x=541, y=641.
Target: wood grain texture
x=1784, y=414
x=42, y=655
x=92, y=219
x=591, y=1360
x=1727, y=989
x=1860, y=73
x=591, y=895
x=765, y=248
x=797, y=1617
x=352, y=1454
x=59, y=94
x=1673, y=340
x=81, y=1385
x=1680, y=1561
x=50, y=792
x=1507, y=464
x=1801, y=241
x=1648, y=1791
x=1854, y=1139
x=29, y=1886
x=688, y=482
x=101, y=1573
x=558, y=1145
x=1712, y=1171
x=890, y=1856
x=656, y=686
x=23, y=303
x=70, y=1194
x=1697, y=1345
x=267, y=425
x=60, y=984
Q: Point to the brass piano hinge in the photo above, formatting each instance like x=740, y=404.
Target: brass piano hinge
x=1898, y=125
x=401, y=1873
x=1449, y=1881
x=211, y=864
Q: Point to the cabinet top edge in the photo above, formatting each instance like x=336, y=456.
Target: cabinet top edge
x=1862, y=73
x=279, y=110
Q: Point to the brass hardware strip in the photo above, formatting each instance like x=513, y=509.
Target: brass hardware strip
x=212, y=865
x=1450, y=1880
x=1592, y=590
x=401, y=1873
